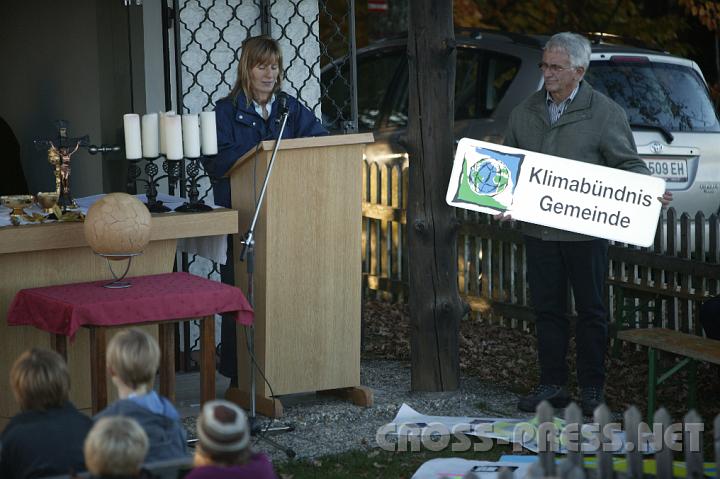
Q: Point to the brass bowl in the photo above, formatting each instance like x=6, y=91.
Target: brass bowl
x=46, y=200
x=17, y=203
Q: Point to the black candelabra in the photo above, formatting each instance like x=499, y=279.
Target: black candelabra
x=174, y=172
x=194, y=203
x=151, y=182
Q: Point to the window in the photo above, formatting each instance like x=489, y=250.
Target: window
x=655, y=93
x=477, y=94
x=481, y=80
x=376, y=73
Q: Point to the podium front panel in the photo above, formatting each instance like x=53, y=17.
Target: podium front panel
x=307, y=281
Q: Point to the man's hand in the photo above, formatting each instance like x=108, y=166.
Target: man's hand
x=503, y=217
x=666, y=198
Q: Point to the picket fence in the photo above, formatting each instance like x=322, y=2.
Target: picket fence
x=668, y=438
x=665, y=283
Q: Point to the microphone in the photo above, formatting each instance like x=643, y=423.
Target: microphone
x=282, y=106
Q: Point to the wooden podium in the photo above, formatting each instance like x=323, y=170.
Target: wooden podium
x=307, y=280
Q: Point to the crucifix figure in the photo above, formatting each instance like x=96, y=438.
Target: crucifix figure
x=59, y=151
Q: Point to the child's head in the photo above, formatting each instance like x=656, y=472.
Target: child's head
x=115, y=446
x=223, y=433
x=40, y=380
x=133, y=357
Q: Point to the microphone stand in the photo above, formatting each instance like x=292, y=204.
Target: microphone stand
x=247, y=254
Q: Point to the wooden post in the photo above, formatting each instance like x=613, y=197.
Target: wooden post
x=435, y=306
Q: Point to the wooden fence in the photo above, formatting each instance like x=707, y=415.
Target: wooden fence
x=666, y=438
x=673, y=276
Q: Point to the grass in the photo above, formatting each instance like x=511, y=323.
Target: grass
x=377, y=463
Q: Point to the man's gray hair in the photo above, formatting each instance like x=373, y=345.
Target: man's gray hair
x=576, y=46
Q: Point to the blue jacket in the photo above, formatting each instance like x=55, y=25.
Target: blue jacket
x=240, y=128
x=160, y=420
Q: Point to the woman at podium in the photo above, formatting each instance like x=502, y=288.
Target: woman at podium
x=252, y=113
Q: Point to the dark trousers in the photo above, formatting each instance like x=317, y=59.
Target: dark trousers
x=710, y=317
x=551, y=265
x=228, y=326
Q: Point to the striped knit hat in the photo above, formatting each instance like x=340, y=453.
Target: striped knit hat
x=223, y=428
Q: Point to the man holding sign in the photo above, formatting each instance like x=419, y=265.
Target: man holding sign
x=568, y=119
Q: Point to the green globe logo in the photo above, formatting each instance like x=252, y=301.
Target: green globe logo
x=488, y=177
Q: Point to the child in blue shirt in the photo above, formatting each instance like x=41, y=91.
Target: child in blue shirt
x=133, y=358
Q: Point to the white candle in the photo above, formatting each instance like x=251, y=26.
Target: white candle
x=173, y=137
x=208, y=133
x=131, y=126
x=163, y=136
x=150, y=135
x=191, y=135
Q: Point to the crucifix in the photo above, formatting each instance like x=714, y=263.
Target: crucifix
x=59, y=151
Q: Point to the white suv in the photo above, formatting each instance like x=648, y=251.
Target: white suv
x=666, y=98
x=674, y=123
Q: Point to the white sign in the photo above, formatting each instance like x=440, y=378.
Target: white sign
x=456, y=467
x=552, y=191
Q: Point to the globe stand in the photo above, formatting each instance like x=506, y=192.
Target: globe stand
x=118, y=282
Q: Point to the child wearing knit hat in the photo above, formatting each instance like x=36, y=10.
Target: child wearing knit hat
x=223, y=450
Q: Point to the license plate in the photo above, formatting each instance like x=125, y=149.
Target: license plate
x=671, y=170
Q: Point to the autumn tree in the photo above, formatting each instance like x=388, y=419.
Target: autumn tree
x=707, y=13
x=668, y=25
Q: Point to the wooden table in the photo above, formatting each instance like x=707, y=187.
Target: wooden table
x=57, y=253
x=163, y=299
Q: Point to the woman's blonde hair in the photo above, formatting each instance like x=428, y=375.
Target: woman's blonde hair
x=260, y=50
x=115, y=446
x=134, y=357
x=40, y=380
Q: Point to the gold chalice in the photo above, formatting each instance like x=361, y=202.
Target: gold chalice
x=47, y=200
x=17, y=203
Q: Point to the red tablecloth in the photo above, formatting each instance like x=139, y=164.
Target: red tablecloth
x=65, y=308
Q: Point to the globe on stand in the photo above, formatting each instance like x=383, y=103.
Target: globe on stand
x=117, y=227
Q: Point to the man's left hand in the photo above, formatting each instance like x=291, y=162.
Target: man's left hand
x=666, y=198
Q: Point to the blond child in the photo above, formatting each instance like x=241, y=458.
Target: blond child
x=46, y=437
x=115, y=448
x=223, y=450
x=133, y=358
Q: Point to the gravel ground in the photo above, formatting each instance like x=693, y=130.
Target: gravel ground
x=329, y=426
x=494, y=360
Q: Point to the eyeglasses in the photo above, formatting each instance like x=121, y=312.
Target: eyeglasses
x=553, y=68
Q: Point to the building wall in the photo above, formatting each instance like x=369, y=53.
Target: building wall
x=66, y=60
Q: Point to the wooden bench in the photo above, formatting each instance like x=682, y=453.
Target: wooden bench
x=625, y=309
x=691, y=347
